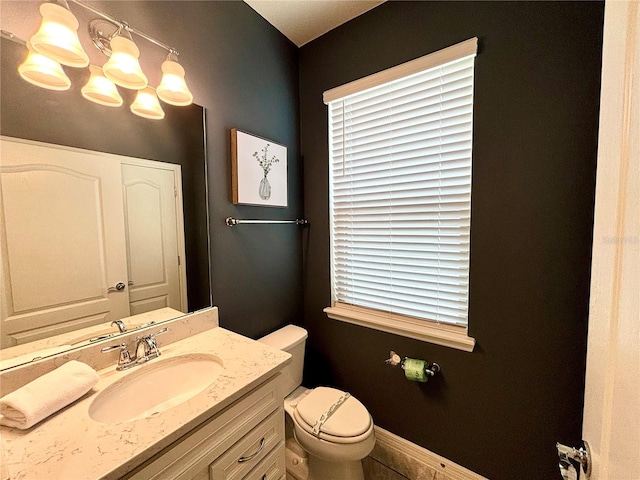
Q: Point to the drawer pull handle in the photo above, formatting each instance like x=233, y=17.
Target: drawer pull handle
x=249, y=457
x=264, y=477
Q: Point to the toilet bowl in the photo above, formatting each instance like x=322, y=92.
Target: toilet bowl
x=337, y=445
x=331, y=426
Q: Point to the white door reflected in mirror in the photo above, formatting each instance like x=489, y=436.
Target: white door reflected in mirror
x=71, y=237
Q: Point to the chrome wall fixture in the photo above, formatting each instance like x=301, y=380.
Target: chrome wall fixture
x=230, y=221
x=56, y=43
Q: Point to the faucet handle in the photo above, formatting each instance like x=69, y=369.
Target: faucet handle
x=159, y=332
x=153, y=335
x=113, y=347
x=124, y=360
x=147, y=347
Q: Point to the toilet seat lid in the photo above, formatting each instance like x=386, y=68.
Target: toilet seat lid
x=350, y=419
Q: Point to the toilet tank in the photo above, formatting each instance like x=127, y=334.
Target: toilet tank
x=291, y=339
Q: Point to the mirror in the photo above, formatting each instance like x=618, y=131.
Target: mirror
x=65, y=122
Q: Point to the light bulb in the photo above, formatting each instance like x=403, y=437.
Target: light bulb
x=43, y=72
x=101, y=90
x=57, y=37
x=123, y=67
x=173, y=89
x=147, y=105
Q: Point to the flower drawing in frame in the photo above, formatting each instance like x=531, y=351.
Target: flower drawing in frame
x=259, y=170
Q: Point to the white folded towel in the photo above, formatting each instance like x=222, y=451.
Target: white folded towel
x=47, y=394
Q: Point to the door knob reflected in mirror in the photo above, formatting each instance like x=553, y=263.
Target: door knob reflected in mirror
x=119, y=286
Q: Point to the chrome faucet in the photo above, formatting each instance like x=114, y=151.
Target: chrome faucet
x=124, y=359
x=147, y=346
x=146, y=349
x=120, y=324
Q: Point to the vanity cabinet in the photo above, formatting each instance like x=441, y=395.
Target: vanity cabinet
x=245, y=441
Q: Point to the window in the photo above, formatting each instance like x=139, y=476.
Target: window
x=400, y=197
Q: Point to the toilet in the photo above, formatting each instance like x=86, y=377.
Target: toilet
x=333, y=428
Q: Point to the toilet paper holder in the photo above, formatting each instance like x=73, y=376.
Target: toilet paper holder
x=430, y=368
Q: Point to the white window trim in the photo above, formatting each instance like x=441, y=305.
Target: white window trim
x=446, y=335
x=449, y=54
x=452, y=336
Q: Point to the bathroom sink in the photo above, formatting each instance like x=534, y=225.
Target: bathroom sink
x=154, y=387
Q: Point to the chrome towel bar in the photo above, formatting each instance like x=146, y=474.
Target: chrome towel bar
x=230, y=221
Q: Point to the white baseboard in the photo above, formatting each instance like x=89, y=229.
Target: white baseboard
x=404, y=449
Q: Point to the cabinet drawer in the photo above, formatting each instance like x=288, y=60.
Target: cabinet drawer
x=248, y=452
x=196, y=450
x=272, y=467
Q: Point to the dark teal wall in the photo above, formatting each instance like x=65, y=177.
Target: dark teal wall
x=499, y=410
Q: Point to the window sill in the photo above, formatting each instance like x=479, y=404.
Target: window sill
x=445, y=335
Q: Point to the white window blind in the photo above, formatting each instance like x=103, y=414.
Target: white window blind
x=400, y=189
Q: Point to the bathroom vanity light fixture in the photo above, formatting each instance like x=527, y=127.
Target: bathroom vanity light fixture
x=56, y=42
x=101, y=90
x=57, y=37
x=146, y=105
x=43, y=72
x=173, y=89
x=123, y=68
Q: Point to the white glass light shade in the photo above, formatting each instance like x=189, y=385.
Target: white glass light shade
x=57, y=37
x=43, y=72
x=173, y=89
x=123, y=67
x=147, y=105
x=101, y=90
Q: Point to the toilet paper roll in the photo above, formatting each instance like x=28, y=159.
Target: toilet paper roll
x=414, y=370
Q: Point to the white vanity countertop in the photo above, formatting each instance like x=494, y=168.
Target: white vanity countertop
x=70, y=445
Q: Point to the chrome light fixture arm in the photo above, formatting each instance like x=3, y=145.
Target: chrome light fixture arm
x=123, y=25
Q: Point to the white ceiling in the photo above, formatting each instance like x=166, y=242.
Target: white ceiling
x=304, y=20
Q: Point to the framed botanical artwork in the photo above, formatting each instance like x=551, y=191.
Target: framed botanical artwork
x=258, y=170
